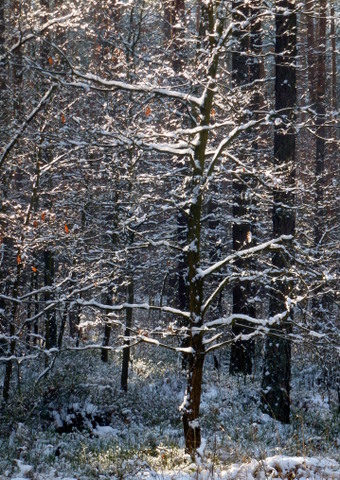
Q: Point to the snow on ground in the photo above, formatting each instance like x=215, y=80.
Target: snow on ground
x=276, y=467
x=138, y=435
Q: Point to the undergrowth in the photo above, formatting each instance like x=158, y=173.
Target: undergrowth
x=115, y=434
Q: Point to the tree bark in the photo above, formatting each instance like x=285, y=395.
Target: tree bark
x=318, y=103
x=127, y=333
x=277, y=360
x=51, y=318
x=245, y=69
x=191, y=404
x=107, y=330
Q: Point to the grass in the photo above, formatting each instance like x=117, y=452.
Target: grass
x=146, y=431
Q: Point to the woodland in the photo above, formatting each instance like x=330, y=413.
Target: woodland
x=169, y=239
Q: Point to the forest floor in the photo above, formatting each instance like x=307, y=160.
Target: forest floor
x=76, y=423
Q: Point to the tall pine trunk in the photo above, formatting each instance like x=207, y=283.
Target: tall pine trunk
x=277, y=360
x=245, y=69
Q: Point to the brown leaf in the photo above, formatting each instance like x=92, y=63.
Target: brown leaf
x=43, y=216
x=18, y=259
x=50, y=60
x=147, y=111
x=67, y=230
x=34, y=269
x=35, y=223
x=63, y=118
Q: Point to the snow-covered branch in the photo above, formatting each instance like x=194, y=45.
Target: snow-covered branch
x=24, y=125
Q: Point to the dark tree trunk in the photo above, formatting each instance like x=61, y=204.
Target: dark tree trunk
x=106, y=343
x=191, y=404
x=12, y=340
x=277, y=360
x=73, y=320
x=196, y=355
x=245, y=69
x=319, y=104
x=316, y=43
x=3, y=120
x=2, y=46
x=107, y=330
x=174, y=15
x=51, y=318
x=36, y=309
x=126, y=351
x=195, y=359
x=334, y=56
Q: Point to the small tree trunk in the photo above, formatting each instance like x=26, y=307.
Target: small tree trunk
x=51, y=319
x=126, y=350
x=12, y=342
x=9, y=364
x=106, y=342
x=107, y=330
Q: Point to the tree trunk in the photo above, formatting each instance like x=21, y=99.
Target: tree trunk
x=245, y=69
x=318, y=103
x=12, y=341
x=195, y=360
x=191, y=404
x=51, y=318
x=277, y=360
x=107, y=330
x=316, y=43
x=128, y=326
x=192, y=399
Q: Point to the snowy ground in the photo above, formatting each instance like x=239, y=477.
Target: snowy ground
x=277, y=467
x=138, y=435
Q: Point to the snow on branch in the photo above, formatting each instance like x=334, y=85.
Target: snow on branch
x=124, y=306
x=243, y=253
x=225, y=321
x=226, y=141
x=33, y=35
x=23, y=126
x=137, y=88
